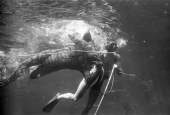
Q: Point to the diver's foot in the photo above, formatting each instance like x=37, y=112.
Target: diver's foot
x=51, y=104
x=58, y=95
x=54, y=98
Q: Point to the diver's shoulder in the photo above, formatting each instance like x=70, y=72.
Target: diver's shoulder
x=116, y=55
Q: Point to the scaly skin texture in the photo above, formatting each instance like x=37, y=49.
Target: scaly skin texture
x=66, y=58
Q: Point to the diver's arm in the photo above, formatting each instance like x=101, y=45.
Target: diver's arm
x=119, y=70
x=126, y=74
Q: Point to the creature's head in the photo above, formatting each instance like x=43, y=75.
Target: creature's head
x=111, y=47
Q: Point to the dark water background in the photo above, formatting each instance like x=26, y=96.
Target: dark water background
x=144, y=23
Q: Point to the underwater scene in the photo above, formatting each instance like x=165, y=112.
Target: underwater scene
x=84, y=57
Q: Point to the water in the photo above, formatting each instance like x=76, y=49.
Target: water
x=29, y=27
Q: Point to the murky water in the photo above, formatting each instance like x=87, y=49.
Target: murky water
x=29, y=27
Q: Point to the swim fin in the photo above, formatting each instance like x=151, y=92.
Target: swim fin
x=51, y=104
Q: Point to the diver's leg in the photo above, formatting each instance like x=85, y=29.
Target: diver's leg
x=83, y=86
x=90, y=75
x=79, y=93
x=93, y=95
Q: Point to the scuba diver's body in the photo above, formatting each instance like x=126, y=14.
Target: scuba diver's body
x=112, y=58
x=108, y=62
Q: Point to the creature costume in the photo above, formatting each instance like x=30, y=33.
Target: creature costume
x=72, y=57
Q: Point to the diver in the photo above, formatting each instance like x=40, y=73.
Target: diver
x=111, y=59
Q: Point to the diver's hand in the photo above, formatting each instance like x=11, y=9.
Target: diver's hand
x=126, y=74
x=132, y=75
x=115, y=66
